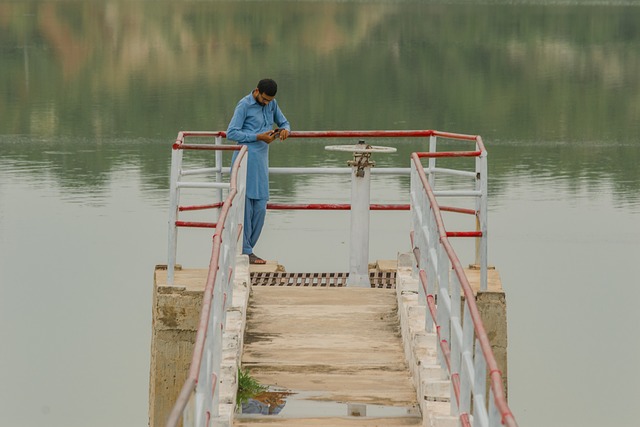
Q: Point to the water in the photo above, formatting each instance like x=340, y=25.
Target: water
x=291, y=404
x=94, y=93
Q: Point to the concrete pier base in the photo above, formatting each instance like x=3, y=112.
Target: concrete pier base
x=430, y=381
x=175, y=316
x=176, y=311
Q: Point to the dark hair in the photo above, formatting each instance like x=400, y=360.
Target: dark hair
x=268, y=87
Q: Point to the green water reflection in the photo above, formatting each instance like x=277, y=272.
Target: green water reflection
x=552, y=89
x=99, y=69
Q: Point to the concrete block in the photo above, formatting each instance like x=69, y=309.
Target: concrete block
x=493, y=311
x=417, y=315
x=404, y=283
x=437, y=391
x=176, y=312
x=406, y=261
x=175, y=308
x=437, y=414
x=385, y=266
x=224, y=418
x=409, y=299
x=444, y=421
x=433, y=372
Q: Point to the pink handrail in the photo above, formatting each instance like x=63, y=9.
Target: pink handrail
x=480, y=332
x=352, y=134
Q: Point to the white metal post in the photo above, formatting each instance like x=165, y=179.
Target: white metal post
x=432, y=160
x=483, y=212
x=359, y=244
x=360, y=200
x=218, y=154
x=176, y=167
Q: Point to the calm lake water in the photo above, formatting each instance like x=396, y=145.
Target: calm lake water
x=93, y=94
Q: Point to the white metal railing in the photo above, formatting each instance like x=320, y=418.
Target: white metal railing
x=464, y=352
x=198, y=402
x=177, y=183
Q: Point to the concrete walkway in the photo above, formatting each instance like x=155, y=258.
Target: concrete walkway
x=333, y=356
x=338, y=350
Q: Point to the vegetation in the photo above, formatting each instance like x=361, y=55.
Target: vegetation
x=247, y=387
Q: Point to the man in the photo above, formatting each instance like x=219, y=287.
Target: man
x=252, y=125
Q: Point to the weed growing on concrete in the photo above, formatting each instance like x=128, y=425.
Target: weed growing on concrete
x=247, y=387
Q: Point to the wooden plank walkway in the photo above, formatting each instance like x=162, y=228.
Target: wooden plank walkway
x=338, y=350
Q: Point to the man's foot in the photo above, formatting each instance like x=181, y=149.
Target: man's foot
x=254, y=259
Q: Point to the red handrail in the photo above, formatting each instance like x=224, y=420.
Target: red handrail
x=481, y=334
x=350, y=134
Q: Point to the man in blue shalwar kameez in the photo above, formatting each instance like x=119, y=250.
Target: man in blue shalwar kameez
x=252, y=125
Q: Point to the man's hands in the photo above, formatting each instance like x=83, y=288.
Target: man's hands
x=284, y=134
x=271, y=135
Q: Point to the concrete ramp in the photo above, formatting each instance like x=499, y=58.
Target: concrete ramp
x=331, y=356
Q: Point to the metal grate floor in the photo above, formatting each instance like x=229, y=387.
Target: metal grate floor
x=378, y=279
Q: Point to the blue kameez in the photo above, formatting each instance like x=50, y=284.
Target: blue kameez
x=250, y=119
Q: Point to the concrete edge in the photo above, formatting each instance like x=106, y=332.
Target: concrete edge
x=233, y=341
x=420, y=350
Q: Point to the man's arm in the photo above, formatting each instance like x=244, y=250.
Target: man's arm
x=282, y=122
x=280, y=119
x=235, y=131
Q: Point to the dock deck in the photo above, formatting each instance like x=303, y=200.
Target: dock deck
x=339, y=348
x=331, y=355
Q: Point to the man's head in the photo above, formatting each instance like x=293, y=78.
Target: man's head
x=268, y=87
x=265, y=92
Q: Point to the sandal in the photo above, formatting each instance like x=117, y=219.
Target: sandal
x=254, y=259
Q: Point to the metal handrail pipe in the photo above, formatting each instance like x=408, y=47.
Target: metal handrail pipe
x=310, y=171
x=347, y=206
x=449, y=154
x=346, y=171
x=201, y=171
x=200, y=207
x=203, y=133
x=464, y=233
x=348, y=134
x=458, y=210
x=336, y=206
x=196, y=224
x=385, y=134
x=186, y=184
x=453, y=172
x=204, y=147
x=457, y=193
x=360, y=133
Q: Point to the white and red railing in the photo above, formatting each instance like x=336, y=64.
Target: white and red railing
x=198, y=401
x=464, y=348
x=464, y=351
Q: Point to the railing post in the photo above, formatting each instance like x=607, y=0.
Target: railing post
x=482, y=211
x=218, y=153
x=176, y=167
x=432, y=160
x=360, y=200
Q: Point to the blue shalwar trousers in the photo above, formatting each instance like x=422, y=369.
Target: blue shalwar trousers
x=255, y=211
